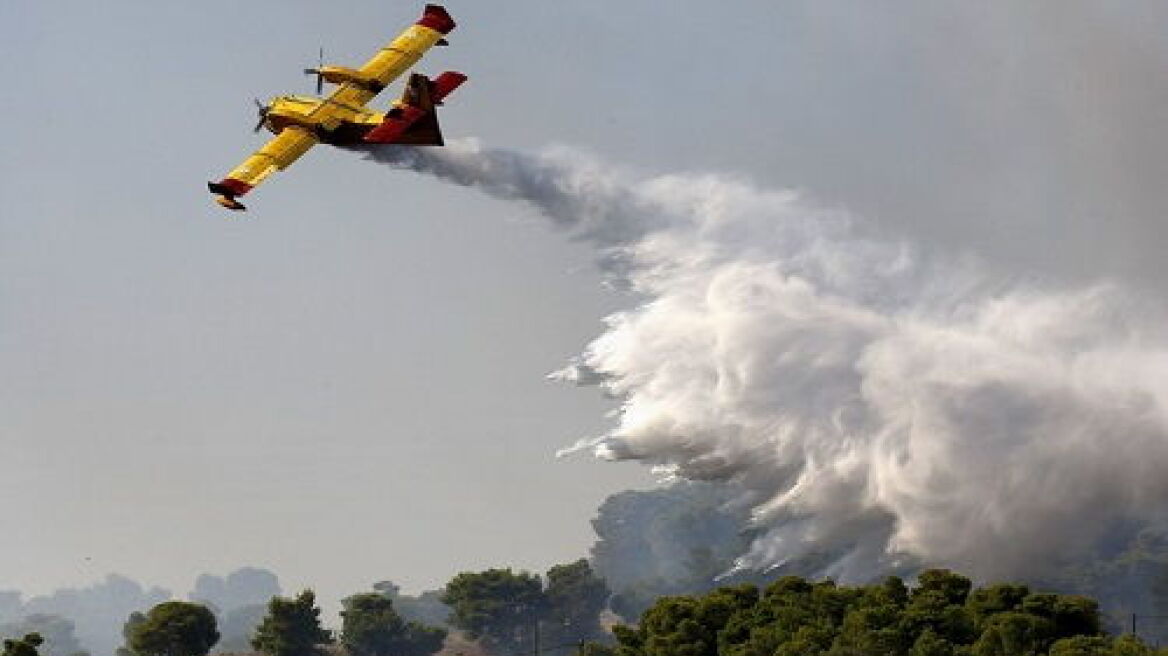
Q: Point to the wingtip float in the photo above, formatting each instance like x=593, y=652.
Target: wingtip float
x=300, y=122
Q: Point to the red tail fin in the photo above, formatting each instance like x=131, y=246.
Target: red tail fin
x=416, y=123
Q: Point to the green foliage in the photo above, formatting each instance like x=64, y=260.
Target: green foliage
x=941, y=616
x=574, y=598
x=502, y=608
x=1015, y=634
x=871, y=628
x=497, y=606
x=595, y=649
x=939, y=603
x=173, y=628
x=136, y=618
x=931, y=644
x=291, y=627
x=952, y=588
x=421, y=640
x=26, y=646
x=1127, y=645
x=986, y=602
x=371, y=627
x=1082, y=646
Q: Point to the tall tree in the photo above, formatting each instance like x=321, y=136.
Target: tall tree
x=291, y=627
x=369, y=625
x=497, y=606
x=128, y=627
x=575, y=596
x=174, y=628
x=372, y=627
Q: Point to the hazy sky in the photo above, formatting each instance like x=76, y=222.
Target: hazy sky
x=346, y=383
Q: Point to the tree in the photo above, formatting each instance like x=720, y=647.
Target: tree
x=421, y=640
x=987, y=602
x=291, y=627
x=496, y=606
x=128, y=627
x=1070, y=615
x=690, y=626
x=939, y=602
x=930, y=644
x=1130, y=645
x=574, y=599
x=595, y=649
x=1015, y=634
x=1085, y=645
x=1081, y=646
x=371, y=627
x=26, y=646
x=174, y=628
x=872, y=628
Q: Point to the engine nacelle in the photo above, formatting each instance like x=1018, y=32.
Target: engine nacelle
x=342, y=75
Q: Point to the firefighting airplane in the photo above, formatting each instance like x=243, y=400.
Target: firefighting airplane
x=301, y=121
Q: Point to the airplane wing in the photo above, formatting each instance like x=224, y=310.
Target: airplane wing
x=276, y=155
x=395, y=59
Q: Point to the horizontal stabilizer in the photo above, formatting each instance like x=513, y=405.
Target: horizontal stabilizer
x=230, y=203
x=444, y=84
x=226, y=191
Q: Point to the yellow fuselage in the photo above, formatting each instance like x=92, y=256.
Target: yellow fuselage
x=329, y=120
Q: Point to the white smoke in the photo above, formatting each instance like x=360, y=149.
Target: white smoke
x=874, y=404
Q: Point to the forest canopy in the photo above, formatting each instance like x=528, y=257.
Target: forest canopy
x=943, y=615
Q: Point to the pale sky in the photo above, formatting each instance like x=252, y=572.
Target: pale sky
x=346, y=384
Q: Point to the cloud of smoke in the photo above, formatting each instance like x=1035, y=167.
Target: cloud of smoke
x=239, y=601
x=246, y=586
x=91, y=618
x=96, y=612
x=871, y=402
x=57, y=631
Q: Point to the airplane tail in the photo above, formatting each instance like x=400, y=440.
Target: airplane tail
x=414, y=122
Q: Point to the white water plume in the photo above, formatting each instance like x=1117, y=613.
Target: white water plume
x=873, y=404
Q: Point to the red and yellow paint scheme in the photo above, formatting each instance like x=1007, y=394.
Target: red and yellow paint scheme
x=300, y=122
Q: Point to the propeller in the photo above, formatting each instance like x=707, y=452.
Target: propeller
x=317, y=72
x=262, y=110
